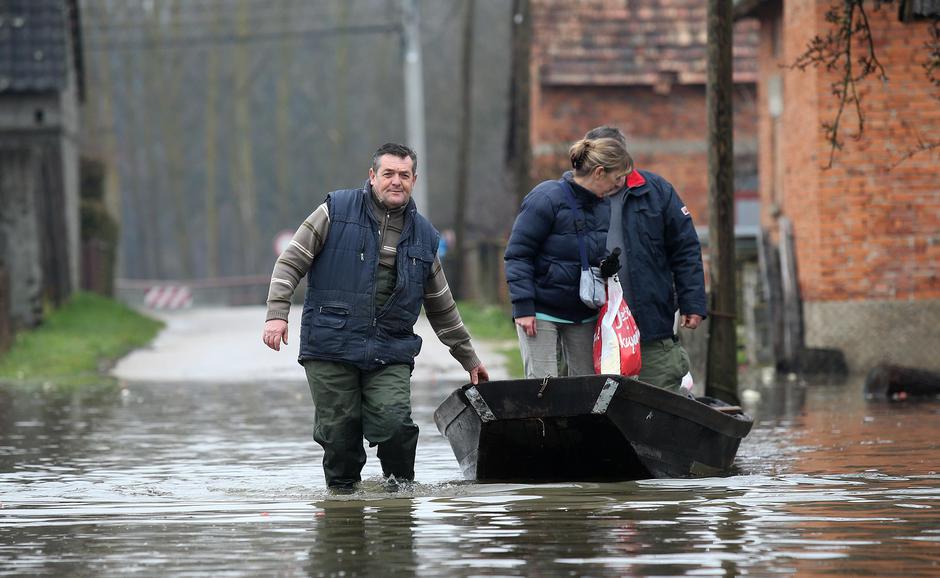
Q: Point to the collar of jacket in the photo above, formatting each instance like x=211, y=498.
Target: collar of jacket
x=409, y=209
x=580, y=192
x=636, y=183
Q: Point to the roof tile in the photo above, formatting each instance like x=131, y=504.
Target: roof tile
x=33, y=51
x=616, y=42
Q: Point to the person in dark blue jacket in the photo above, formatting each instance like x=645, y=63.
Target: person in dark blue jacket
x=661, y=268
x=543, y=265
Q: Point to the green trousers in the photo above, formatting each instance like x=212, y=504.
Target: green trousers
x=349, y=404
x=665, y=363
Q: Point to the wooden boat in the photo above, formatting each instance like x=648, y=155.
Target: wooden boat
x=897, y=383
x=597, y=427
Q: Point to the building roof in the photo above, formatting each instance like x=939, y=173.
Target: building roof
x=34, y=51
x=631, y=42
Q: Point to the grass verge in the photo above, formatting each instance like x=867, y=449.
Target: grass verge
x=493, y=324
x=76, y=343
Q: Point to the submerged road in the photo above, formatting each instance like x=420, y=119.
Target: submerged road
x=201, y=464
x=199, y=480
x=223, y=345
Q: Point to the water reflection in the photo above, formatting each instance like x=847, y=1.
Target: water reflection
x=356, y=538
x=197, y=480
x=44, y=424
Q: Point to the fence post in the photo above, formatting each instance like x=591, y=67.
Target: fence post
x=6, y=329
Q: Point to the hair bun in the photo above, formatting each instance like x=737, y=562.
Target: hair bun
x=582, y=154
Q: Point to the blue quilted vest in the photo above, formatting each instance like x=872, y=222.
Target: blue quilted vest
x=340, y=319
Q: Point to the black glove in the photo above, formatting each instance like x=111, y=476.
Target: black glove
x=610, y=264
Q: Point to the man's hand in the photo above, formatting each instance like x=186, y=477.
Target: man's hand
x=691, y=321
x=528, y=324
x=275, y=332
x=478, y=374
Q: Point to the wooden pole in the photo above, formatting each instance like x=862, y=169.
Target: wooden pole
x=211, y=230
x=792, y=308
x=722, y=372
x=463, y=152
x=6, y=322
x=174, y=139
x=518, y=142
x=283, y=119
x=242, y=168
x=150, y=187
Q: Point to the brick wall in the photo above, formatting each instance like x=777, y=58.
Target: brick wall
x=666, y=133
x=638, y=65
x=868, y=228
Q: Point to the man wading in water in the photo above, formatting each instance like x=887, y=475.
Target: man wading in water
x=371, y=262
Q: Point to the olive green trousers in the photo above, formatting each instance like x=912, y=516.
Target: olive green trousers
x=350, y=404
x=665, y=363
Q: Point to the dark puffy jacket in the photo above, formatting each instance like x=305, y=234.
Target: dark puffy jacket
x=664, y=257
x=340, y=321
x=543, y=266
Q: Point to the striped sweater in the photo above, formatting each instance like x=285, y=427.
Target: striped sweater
x=439, y=304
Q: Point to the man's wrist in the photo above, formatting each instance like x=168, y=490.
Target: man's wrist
x=276, y=315
x=470, y=363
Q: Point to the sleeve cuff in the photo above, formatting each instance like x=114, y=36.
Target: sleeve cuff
x=470, y=363
x=696, y=310
x=275, y=314
x=523, y=309
x=465, y=355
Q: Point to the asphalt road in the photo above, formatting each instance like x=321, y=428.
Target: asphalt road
x=223, y=345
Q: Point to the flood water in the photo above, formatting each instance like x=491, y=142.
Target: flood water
x=203, y=480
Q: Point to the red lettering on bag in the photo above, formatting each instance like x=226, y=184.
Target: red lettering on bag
x=616, y=336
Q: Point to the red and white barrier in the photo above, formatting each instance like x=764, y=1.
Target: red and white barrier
x=168, y=297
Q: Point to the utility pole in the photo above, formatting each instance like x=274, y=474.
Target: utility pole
x=722, y=372
x=414, y=96
x=518, y=146
x=463, y=150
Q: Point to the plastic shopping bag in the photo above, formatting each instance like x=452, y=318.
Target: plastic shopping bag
x=591, y=289
x=617, y=337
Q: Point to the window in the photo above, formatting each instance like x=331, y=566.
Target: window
x=913, y=10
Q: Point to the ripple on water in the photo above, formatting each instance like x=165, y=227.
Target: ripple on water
x=192, y=480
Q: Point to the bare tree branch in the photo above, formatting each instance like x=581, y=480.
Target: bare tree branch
x=834, y=53
x=932, y=62
x=922, y=145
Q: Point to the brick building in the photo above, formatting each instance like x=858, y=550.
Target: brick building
x=639, y=65
x=867, y=229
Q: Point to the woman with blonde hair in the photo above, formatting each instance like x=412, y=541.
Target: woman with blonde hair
x=543, y=258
